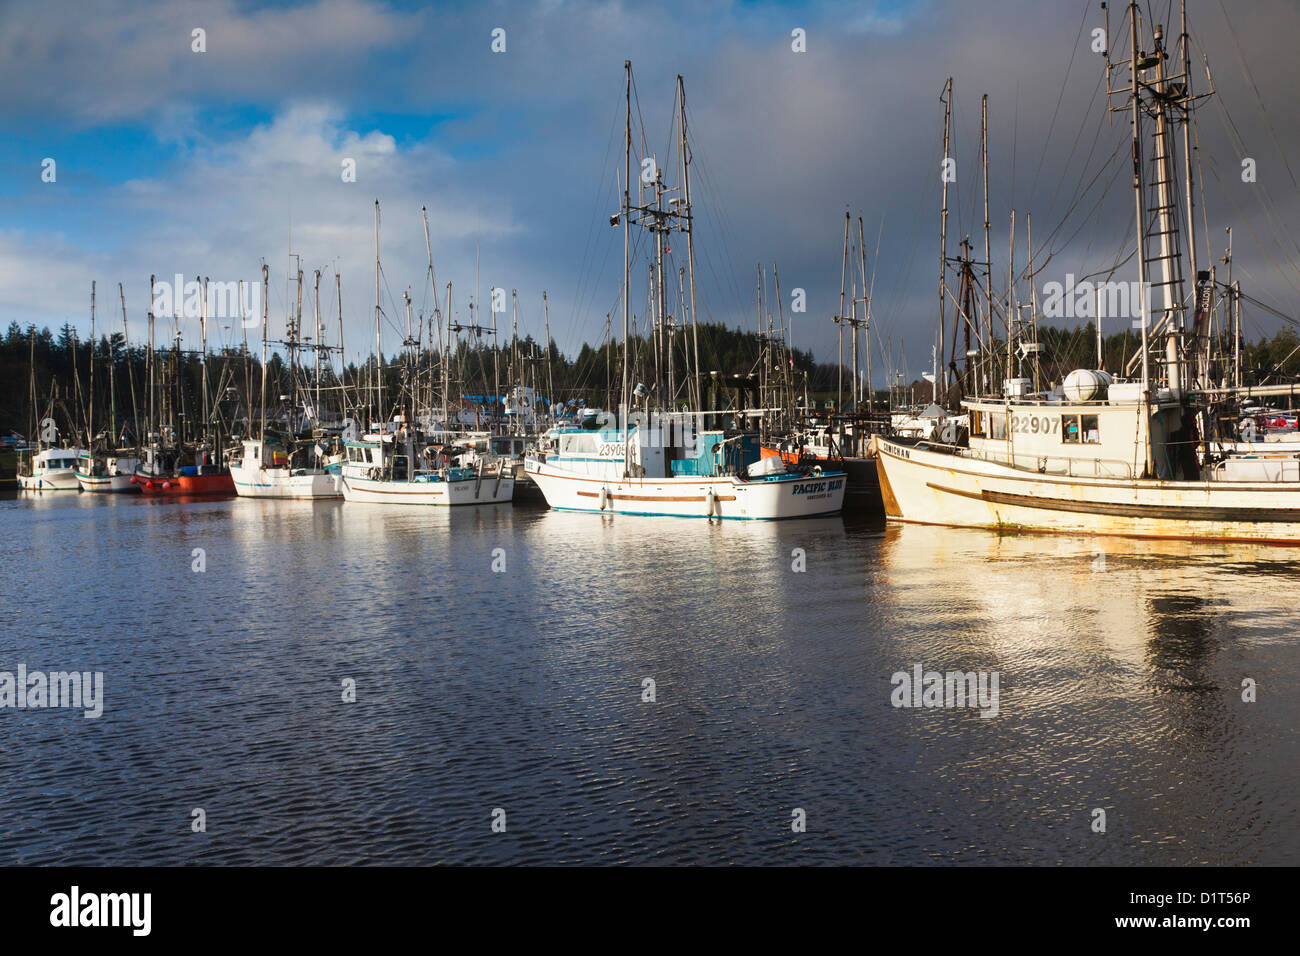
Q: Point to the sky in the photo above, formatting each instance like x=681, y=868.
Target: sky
x=171, y=160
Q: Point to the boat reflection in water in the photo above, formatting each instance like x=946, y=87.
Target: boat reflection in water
x=1123, y=666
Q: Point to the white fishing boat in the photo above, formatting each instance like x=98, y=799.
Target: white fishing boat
x=50, y=469
x=101, y=473
x=390, y=468
x=1104, y=454
x=1108, y=465
x=668, y=463
x=265, y=470
x=591, y=472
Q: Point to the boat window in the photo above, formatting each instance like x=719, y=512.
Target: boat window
x=1091, y=433
x=997, y=425
x=578, y=444
x=1070, y=428
x=976, y=424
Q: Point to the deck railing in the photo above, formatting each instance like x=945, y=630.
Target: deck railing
x=1044, y=464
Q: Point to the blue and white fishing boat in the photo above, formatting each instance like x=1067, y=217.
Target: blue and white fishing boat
x=670, y=464
x=716, y=476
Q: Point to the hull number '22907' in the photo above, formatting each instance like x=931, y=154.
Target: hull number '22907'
x=1035, y=424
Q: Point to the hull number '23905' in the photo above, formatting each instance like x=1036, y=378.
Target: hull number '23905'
x=818, y=487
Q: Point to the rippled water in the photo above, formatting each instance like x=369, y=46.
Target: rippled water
x=1120, y=666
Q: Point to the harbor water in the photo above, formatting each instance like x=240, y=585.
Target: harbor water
x=535, y=686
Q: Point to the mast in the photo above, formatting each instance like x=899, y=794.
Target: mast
x=266, y=283
x=445, y=348
x=515, y=366
x=839, y=318
x=126, y=347
x=866, y=305
x=1137, y=198
x=1236, y=316
x=90, y=411
x=550, y=378
x=379, y=373
x=627, y=257
x=496, y=361
x=1033, y=289
x=149, y=361
x=941, y=370
x=343, y=389
x=689, y=220
x=203, y=362
x=985, y=374
x=316, y=303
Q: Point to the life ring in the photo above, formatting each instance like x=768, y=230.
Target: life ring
x=817, y=471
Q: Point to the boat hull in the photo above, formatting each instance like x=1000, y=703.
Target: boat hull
x=925, y=486
x=185, y=485
x=862, y=493
x=692, y=497
x=485, y=490
x=107, y=484
x=281, y=483
x=62, y=480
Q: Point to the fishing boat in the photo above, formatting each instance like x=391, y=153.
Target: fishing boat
x=266, y=470
x=162, y=474
x=667, y=462
x=175, y=461
x=1102, y=453
x=393, y=468
x=101, y=473
x=293, y=458
x=724, y=478
x=49, y=469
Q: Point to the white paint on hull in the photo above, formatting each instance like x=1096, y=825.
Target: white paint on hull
x=487, y=490
x=931, y=487
x=258, y=482
x=690, y=497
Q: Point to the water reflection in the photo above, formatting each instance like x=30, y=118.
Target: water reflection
x=500, y=656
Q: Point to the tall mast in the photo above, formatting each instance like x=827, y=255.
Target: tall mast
x=203, y=336
x=343, y=389
x=866, y=304
x=853, y=335
x=1137, y=198
x=445, y=348
x=515, y=366
x=316, y=301
x=550, y=377
x=149, y=359
x=627, y=251
x=839, y=318
x=941, y=370
x=988, y=258
x=90, y=411
x=688, y=218
x=379, y=371
x=1186, y=81
x=433, y=283
x=266, y=284
x=496, y=359
x=126, y=347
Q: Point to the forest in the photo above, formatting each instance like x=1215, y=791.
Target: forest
x=54, y=369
